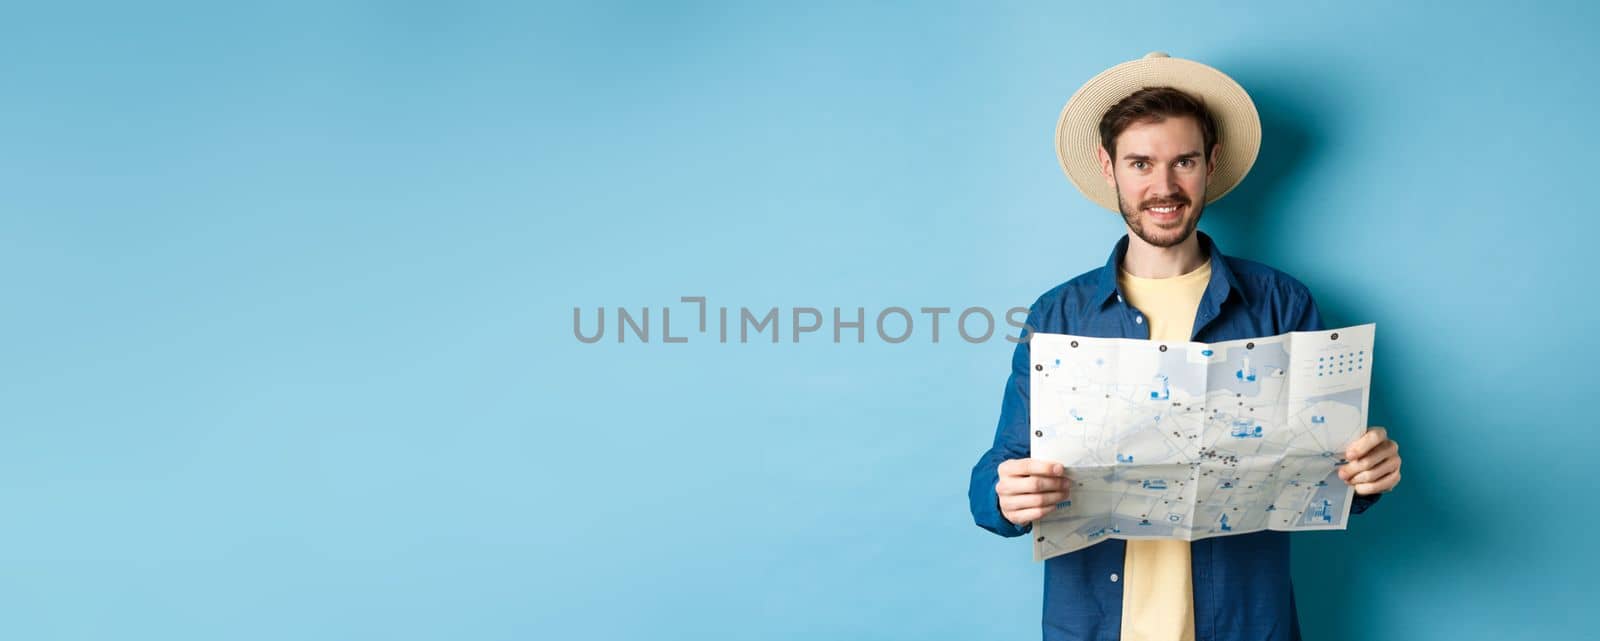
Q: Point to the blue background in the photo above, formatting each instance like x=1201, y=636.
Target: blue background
x=288, y=299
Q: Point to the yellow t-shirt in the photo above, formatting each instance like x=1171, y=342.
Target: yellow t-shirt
x=1157, y=587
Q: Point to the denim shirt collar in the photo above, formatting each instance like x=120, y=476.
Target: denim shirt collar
x=1222, y=278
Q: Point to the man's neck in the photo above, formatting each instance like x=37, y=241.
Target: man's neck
x=1148, y=261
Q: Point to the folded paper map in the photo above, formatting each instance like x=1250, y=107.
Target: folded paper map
x=1193, y=440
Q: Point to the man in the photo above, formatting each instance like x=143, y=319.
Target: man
x=1156, y=140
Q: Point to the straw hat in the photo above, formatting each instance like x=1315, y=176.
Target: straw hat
x=1078, y=130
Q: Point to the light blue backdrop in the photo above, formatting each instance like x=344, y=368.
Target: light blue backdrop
x=288, y=293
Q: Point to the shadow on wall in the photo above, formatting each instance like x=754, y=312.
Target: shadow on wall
x=1293, y=129
x=1336, y=571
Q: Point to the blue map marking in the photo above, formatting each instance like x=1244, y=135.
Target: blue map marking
x=1245, y=428
x=1165, y=393
x=1241, y=372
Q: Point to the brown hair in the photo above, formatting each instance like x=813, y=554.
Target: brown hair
x=1155, y=104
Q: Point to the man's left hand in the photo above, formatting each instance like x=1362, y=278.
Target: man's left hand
x=1374, y=463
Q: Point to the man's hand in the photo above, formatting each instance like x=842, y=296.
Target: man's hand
x=1029, y=488
x=1374, y=466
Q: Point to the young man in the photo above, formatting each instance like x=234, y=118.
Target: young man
x=1156, y=140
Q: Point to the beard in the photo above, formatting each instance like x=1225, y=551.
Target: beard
x=1161, y=236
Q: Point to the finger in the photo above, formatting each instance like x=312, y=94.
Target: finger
x=1364, y=444
x=1025, y=501
x=1035, y=467
x=1381, y=485
x=1388, y=466
x=1376, y=455
x=1030, y=514
x=1027, y=467
x=1049, y=483
x=1379, y=454
x=1015, y=485
x=1368, y=440
x=1353, y=468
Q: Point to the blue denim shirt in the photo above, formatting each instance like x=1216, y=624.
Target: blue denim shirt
x=1242, y=588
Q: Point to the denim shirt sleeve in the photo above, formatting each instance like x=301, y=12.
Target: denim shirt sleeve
x=1010, y=441
x=1309, y=319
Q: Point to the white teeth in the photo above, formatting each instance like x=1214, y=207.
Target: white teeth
x=1164, y=210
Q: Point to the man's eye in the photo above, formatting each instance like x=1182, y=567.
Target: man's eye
x=1139, y=164
x=1186, y=162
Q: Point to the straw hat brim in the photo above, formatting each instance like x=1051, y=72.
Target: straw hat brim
x=1078, y=129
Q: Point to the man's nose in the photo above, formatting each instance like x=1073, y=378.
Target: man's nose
x=1167, y=182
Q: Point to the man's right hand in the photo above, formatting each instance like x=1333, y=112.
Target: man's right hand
x=1030, y=488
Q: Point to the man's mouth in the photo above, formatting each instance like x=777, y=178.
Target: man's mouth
x=1166, y=213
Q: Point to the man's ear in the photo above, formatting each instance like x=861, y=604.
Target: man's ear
x=1211, y=163
x=1105, y=166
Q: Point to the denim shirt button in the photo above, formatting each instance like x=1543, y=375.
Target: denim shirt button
x=1113, y=577
x=1138, y=319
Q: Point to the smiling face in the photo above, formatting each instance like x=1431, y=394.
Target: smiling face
x=1160, y=173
